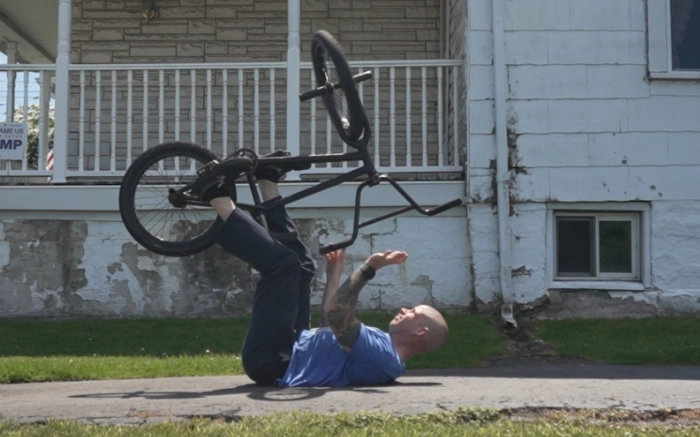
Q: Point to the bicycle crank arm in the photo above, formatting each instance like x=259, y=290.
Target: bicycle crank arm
x=178, y=199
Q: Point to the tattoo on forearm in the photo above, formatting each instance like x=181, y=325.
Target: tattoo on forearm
x=341, y=310
x=332, y=286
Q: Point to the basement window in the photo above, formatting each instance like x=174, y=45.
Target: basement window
x=608, y=247
x=591, y=246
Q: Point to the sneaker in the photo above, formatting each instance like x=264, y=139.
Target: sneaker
x=274, y=173
x=218, y=179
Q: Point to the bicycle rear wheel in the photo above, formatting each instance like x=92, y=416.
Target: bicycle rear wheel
x=170, y=226
x=343, y=104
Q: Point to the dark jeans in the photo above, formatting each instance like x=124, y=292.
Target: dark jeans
x=281, y=306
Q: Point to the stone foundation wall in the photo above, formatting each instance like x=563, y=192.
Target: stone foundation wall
x=81, y=268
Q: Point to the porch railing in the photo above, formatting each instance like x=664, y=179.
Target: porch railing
x=118, y=111
x=410, y=106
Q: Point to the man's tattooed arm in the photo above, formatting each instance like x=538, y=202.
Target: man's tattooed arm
x=339, y=304
x=332, y=286
x=339, y=310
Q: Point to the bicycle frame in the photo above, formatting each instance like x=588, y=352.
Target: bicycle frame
x=367, y=169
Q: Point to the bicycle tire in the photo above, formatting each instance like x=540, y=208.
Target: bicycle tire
x=355, y=131
x=128, y=207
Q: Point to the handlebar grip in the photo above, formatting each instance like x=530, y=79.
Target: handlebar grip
x=445, y=207
x=362, y=76
x=312, y=94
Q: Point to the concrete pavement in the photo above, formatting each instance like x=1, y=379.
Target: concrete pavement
x=547, y=385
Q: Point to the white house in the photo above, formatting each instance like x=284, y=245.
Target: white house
x=568, y=126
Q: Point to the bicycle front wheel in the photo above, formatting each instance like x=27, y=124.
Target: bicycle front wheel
x=343, y=104
x=160, y=223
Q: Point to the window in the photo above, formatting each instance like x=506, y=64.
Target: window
x=598, y=246
x=674, y=38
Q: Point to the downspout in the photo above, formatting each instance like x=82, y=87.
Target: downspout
x=466, y=66
x=502, y=173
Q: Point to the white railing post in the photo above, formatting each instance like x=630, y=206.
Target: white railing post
x=60, y=145
x=11, y=49
x=293, y=79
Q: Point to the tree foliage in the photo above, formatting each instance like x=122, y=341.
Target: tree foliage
x=33, y=130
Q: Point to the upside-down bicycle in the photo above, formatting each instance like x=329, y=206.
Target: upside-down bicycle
x=161, y=213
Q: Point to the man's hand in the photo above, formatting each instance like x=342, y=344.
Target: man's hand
x=386, y=258
x=335, y=262
x=339, y=306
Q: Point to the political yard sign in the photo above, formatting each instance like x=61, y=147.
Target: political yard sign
x=13, y=141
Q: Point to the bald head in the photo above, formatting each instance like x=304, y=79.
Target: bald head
x=437, y=328
x=418, y=330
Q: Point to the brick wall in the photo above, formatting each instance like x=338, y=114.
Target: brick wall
x=188, y=31
x=113, y=31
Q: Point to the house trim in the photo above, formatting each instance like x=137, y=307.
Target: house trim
x=104, y=198
x=659, y=43
x=502, y=171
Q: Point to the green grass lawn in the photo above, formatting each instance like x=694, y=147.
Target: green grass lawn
x=71, y=350
x=104, y=349
x=626, y=341
x=460, y=423
x=68, y=350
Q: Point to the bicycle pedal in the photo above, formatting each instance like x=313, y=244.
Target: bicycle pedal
x=207, y=168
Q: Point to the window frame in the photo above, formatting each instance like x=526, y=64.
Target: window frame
x=632, y=217
x=659, y=43
x=640, y=278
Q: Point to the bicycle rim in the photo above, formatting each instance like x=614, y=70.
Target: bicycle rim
x=153, y=210
x=338, y=98
x=343, y=104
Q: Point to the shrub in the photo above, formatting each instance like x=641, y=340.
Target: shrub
x=33, y=132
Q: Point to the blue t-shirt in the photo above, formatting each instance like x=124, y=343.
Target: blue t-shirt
x=320, y=361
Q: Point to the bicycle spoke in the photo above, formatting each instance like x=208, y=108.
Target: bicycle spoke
x=162, y=226
x=154, y=210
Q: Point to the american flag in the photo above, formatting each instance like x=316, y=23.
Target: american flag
x=49, y=157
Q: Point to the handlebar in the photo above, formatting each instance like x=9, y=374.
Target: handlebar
x=412, y=207
x=444, y=207
x=429, y=212
x=324, y=89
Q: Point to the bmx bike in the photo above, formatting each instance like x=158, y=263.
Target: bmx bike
x=161, y=213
